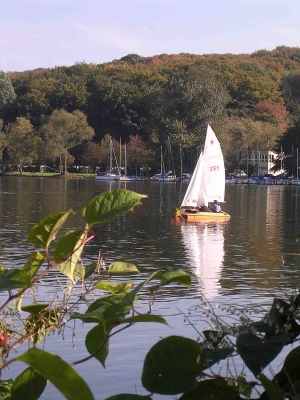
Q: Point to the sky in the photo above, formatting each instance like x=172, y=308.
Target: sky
x=48, y=33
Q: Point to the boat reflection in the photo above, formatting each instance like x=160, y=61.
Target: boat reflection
x=204, y=249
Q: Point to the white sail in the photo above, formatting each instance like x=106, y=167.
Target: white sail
x=208, y=180
x=194, y=196
x=213, y=168
x=204, y=247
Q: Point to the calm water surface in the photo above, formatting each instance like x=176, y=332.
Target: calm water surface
x=242, y=262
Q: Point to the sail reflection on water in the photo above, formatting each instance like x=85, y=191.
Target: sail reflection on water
x=204, y=248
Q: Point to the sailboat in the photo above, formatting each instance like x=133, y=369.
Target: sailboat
x=207, y=183
x=128, y=177
x=108, y=175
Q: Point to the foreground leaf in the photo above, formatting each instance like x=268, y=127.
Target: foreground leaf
x=214, y=389
x=272, y=391
x=177, y=276
x=142, y=318
x=110, y=205
x=42, y=233
x=69, y=249
x=5, y=389
x=257, y=353
x=14, y=279
x=28, y=385
x=114, y=287
x=288, y=379
x=59, y=373
x=121, y=268
x=34, y=308
x=172, y=366
x=128, y=396
x=213, y=356
x=97, y=339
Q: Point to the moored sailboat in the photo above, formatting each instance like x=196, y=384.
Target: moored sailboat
x=207, y=183
x=108, y=175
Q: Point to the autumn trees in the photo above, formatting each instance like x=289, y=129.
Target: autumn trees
x=249, y=99
x=23, y=141
x=59, y=133
x=63, y=131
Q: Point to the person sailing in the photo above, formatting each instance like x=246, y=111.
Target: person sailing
x=215, y=207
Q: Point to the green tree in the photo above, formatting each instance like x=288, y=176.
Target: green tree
x=291, y=92
x=7, y=93
x=3, y=143
x=185, y=105
x=63, y=131
x=23, y=143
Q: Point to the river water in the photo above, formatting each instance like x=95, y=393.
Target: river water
x=243, y=262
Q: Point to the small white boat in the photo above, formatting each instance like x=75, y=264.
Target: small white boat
x=184, y=178
x=127, y=178
x=108, y=175
x=207, y=183
x=167, y=177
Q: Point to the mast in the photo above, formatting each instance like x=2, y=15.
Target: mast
x=110, y=157
x=125, y=161
x=120, y=155
x=180, y=161
x=297, y=162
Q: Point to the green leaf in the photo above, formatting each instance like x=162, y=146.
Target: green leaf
x=272, y=391
x=128, y=396
x=107, y=301
x=28, y=385
x=33, y=264
x=5, y=389
x=34, y=308
x=212, y=356
x=69, y=248
x=42, y=233
x=289, y=377
x=18, y=301
x=212, y=389
x=122, y=268
x=79, y=271
x=97, y=339
x=172, y=366
x=68, y=244
x=177, y=276
x=20, y=278
x=59, y=373
x=104, y=309
x=93, y=316
x=173, y=276
x=257, y=353
x=114, y=287
x=14, y=279
x=142, y=318
x=90, y=270
x=129, y=298
x=110, y=205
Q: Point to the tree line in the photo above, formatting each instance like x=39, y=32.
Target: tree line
x=67, y=115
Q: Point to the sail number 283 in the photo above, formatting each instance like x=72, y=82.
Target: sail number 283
x=214, y=168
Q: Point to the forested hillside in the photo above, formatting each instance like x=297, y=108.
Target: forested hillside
x=251, y=100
